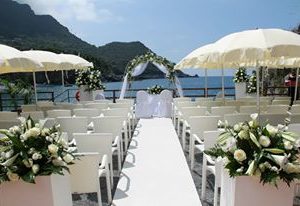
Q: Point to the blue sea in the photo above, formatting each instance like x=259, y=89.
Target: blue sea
x=189, y=82
x=67, y=93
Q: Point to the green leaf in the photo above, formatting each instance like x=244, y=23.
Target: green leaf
x=29, y=177
x=10, y=161
x=274, y=150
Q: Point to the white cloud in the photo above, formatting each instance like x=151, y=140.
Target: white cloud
x=80, y=10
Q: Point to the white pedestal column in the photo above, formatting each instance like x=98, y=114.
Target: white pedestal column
x=85, y=95
x=240, y=90
x=248, y=191
x=54, y=190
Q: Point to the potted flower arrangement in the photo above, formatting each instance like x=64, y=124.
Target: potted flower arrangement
x=88, y=80
x=253, y=153
x=31, y=153
x=156, y=89
x=240, y=79
x=251, y=86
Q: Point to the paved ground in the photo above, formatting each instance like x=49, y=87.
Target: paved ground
x=91, y=199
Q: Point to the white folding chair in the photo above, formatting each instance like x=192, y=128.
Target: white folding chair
x=8, y=115
x=210, y=139
x=99, y=106
x=29, y=107
x=248, y=109
x=112, y=125
x=35, y=115
x=210, y=104
x=142, y=107
x=6, y=124
x=102, y=144
x=295, y=118
x=295, y=108
x=281, y=102
x=221, y=111
x=273, y=119
x=282, y=98
x=199, y=124
x=87, y=112
x=177, y=107
x=233, y=119
x=277, y=109
x=124, y=112
x=184, y=115
x=85, y=174
x=72, y=125
x=165, y=104
x=59, y=113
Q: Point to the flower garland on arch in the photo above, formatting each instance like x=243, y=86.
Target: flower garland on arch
x=151, y=57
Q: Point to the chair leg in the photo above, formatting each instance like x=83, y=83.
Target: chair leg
x=108, y=185
x=183, y=136
x=178, y=125
x=192, y=153
x=111, y=173
x=216, y=194
x=204, y=178
x=99, y=197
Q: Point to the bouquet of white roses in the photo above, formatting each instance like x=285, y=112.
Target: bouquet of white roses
x=155, y=89
x=30, y=150
x=268, y=152
x=240, y=75
x=90, y=78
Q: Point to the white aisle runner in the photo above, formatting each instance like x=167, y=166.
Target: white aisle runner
x=155, y=171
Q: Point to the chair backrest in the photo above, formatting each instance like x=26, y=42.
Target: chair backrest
x=111, y=124
x=282, y=98
x=248, y=109
x=86, y=102
x=29, y=107
x=199, y=124
x=116, y=112
x=86, y=112
x=233, y=119
x=99, y=106
x=273, y=119
x=128, y=101
x=185, y=104
x=209, y=104
x=70, y=106
x=59, y=113
x=35, y=115
x=182, y=99
x=277, y=109
x=73, y=125
x=203, y=99
x=295, y=118
x=95, y=142
x=102, y=101
x=119, y=105
x=166, y=96
x=295, y=108
x=8, y=115
x=6, y=124
x=44, y=104
x=221, y=111
x=210, y=138
x=193, y=111
x=294, y=128
x=141, y=96
x=85, y=173
x=281, y=102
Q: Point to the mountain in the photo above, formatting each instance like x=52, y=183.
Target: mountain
x=21, y=28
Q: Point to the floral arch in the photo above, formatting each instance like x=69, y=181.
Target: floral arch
x=138, y=65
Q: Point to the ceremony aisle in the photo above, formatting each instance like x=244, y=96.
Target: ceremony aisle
x=155, y=171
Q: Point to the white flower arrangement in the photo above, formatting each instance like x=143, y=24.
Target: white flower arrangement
x=30, y=150
x=151, y=57
x=240, y=75
x=90, y=78
x=155, y=89
x=251, y=86
x=268, y=152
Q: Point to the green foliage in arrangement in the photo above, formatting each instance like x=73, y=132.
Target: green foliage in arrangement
x=240, y=75
x=268, y=152
x=156, y=89
x=251, y=86
x=29, y=150
x=90, y=78
x=151, y=57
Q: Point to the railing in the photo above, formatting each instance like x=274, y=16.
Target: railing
x=69, y=95
x=7, y=103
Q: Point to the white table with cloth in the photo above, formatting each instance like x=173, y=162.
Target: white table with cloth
x=153, y=105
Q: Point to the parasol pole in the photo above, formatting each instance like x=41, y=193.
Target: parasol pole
x=206, y=92
x=257, y=92
x=35, y=89
x=223, y=85
x=62, y=78
x=296, y=86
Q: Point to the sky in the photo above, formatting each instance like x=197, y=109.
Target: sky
x=170, y=28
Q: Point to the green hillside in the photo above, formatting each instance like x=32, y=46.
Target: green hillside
x=25, y=30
